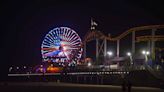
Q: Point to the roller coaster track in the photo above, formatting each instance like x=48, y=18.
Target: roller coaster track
x=91, y=35
x=97, y=34
x=148, y=38
x=142, y=28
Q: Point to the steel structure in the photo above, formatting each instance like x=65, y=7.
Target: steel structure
x=94, y=34
x=101, y=47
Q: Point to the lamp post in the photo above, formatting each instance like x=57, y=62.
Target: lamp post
x=130, y=56
x=110, y=53
x=145, y=53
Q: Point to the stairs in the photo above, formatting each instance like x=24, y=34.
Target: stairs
x=159, y=74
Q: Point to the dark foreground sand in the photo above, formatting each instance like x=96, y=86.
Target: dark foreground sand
x=67, y=87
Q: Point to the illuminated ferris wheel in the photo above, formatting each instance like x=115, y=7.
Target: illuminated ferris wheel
x=61, y=44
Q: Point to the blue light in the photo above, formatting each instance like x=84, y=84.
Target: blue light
x=54, y=53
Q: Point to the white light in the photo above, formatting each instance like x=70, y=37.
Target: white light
x=24, y=67
x=147, y=53
x=89, y=64
x=129, y=54
x=69, y=64
x=113, y=66
x=17, y=67
x=64, y=48
x=10, y=68
x=110, y=53
x=144, y=52
x=41, y=65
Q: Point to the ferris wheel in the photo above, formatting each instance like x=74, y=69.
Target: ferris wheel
x=61, y=44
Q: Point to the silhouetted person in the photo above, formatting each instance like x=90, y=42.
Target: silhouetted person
x=123, y=85
x=129, y=84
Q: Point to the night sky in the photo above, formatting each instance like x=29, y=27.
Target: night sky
x=25, y=23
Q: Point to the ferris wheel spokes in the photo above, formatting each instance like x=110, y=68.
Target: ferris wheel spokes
x=61, y=43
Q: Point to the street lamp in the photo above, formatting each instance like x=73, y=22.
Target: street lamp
x=143, y=52
x=110, y=53
x=146, y=53
x=130, y=56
